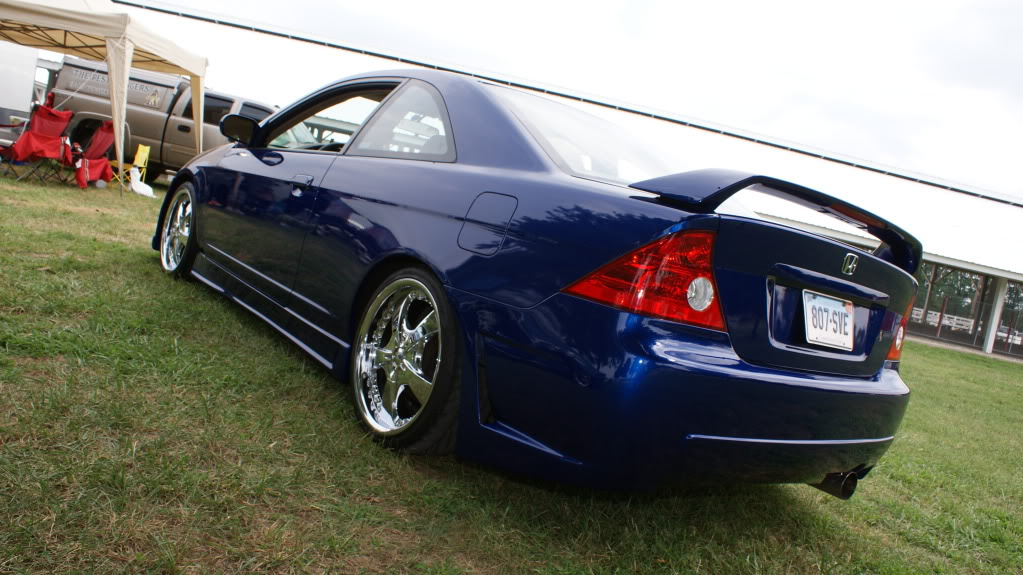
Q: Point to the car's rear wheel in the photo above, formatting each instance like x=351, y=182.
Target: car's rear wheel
x=405, y=364
x=177, y=234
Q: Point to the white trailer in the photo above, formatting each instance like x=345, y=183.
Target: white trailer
x=17, y=81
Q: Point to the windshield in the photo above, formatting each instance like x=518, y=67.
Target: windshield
x=583, y=144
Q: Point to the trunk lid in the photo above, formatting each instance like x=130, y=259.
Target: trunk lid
x=794, y=299
x=771, y=279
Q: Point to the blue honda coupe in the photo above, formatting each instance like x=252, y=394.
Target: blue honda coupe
x=511, y=279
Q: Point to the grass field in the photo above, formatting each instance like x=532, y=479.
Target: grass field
x=146, y=425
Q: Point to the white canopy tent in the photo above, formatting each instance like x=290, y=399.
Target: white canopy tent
x=97, y=30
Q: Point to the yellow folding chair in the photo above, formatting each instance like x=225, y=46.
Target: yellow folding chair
x=141, y=161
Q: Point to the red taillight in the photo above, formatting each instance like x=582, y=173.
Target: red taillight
x=900, y=335
x=671, y=278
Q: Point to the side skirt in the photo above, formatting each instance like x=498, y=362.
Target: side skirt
x=263, y=307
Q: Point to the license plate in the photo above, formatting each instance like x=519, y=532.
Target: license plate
x=829, y=321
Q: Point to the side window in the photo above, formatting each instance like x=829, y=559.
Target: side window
x=257, y=113
x=329, y=125
x=413, y=125
x=214, y=109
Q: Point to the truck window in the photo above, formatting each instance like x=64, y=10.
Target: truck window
x=215, y=109
x=257, y=113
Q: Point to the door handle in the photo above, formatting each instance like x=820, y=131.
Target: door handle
x=184, y=128
x=299, y=184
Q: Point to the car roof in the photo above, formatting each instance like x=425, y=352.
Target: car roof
x=466, y=99
x=438, y=77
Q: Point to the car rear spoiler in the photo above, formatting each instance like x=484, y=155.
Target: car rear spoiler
x=702, y=191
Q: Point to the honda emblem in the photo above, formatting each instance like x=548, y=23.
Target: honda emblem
x=849, y=264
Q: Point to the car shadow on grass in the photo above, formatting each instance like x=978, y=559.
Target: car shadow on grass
x=679, y=528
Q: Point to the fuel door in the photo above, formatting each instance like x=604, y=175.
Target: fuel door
x=486, y=223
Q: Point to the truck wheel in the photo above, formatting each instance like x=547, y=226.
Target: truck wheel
x=83, y=132
x=153, y=171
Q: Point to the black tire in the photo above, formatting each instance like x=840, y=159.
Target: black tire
x=82, y=133
x=178, y=242
x=406, y=381
x=153, y=172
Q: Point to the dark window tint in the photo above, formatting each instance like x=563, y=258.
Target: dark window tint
x=413, y=125
x=214, y=109
x=257, y=113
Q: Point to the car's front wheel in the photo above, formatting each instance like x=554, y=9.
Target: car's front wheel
x=177, y=234
x=405, y=367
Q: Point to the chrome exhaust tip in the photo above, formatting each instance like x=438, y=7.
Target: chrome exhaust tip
x=841, y=485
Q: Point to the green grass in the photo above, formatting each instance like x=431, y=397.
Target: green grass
x=147, y=425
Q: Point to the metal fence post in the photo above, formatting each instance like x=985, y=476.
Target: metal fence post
x=941, y=316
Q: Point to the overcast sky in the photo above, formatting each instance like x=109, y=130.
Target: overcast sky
x=933, y=87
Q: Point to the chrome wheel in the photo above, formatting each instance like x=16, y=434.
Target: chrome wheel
x=177, y=229
x=398, y=356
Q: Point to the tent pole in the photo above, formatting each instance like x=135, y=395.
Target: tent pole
x=198, y=105
x=119, y=56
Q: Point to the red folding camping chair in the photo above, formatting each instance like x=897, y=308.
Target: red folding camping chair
x=92, y=164
x=43, y=144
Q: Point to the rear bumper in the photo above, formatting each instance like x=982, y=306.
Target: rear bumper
x=575, y=391
x=789, y=461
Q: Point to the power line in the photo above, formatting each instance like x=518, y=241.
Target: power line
x=561, y=94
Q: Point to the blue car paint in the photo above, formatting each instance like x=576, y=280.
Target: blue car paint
x=264, y=194
x=553, y=385
x=620, y=395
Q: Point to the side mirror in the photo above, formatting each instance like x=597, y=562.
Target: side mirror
x=238, y=128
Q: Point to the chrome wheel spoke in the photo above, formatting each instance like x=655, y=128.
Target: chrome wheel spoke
x=390, y=397
x=419, y=337
x=401, y=313
x=181, y=212
x=426, y=328
x=415, y=382
x=382, y=355
x=184, y=218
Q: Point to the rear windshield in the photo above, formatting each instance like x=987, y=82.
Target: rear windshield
x=583, y=144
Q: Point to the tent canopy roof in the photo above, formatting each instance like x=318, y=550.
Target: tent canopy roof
x=95, y=30
x=81, y=27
